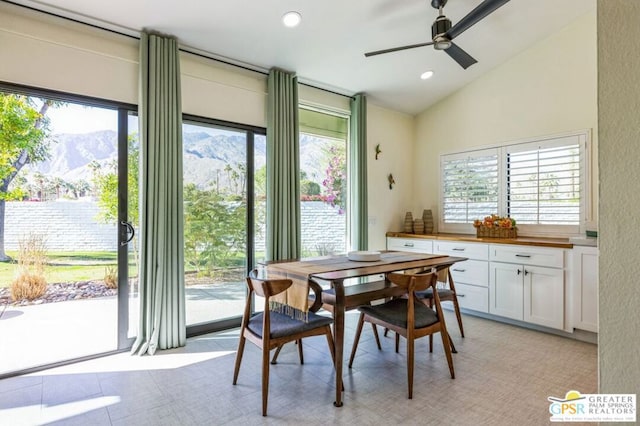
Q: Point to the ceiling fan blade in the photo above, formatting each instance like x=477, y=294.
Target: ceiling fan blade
x=395, y=49
x=481, y=11
x=460, y=56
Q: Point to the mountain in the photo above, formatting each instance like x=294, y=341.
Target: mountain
x=71, y=154
x=205, y=160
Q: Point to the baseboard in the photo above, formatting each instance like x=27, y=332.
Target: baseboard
x=581, y=335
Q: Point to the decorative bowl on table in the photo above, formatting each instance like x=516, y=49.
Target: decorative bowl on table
x=363, y=256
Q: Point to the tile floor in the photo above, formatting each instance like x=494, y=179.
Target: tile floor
x=504, y=375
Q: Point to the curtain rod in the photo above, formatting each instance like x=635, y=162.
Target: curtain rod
x=185, y=49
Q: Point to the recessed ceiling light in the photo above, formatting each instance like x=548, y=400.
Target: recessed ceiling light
x=291, y=19
x=426, y=75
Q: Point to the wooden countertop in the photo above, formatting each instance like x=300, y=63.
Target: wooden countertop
x=525, y=241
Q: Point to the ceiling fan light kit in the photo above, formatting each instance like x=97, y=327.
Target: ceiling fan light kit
x=439, y=33
x=443, y=33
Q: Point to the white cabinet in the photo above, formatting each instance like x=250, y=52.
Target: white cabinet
x=530, y=287
x=521, y=282
x=507, y=294
x=417, y=245
x=584, y=268
x=544, y=296
x=471, y=277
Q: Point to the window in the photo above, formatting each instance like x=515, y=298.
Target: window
x=470, y=186
x=323, y=181
x=540, y=184
x=543, y=183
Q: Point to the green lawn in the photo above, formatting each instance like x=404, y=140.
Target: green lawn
x=66, y=267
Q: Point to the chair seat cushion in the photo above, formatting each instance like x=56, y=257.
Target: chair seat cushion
x=283, y=325
x=395, y=312
x=428, y=293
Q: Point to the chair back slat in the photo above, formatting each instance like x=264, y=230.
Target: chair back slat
x=412, y=282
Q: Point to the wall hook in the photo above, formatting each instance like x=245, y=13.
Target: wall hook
x=378, y=152
x=391, y=181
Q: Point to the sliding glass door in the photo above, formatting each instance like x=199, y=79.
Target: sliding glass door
x=219, y=163
x=64, y=229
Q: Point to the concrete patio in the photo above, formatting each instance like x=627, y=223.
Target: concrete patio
x=42, y=334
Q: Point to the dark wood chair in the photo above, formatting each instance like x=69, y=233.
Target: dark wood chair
x=408, y=317
x=446, y=294
x=354, y=296
x=269, y=329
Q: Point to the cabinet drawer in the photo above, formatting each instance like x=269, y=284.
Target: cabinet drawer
x=471, y=272
x=410, y=244
x=472, y=297
x=525, y=255
x=470, y=250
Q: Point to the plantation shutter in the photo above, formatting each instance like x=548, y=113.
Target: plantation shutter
x=470, y=185
x=544, y=182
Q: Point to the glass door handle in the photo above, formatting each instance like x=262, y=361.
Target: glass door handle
x=130, y=230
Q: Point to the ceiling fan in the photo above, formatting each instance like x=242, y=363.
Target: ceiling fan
x=443, y=33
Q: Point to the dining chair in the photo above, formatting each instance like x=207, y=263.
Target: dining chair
x=446, y=294
x=271, y=329
x=408, y=317
x=354, y=296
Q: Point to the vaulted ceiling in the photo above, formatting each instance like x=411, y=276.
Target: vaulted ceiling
x=327, y=48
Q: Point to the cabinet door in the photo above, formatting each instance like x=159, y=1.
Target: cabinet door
x=505, y=290
x=544, y=296
x=585, y=288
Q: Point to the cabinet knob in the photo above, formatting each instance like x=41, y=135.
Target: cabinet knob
x=519, y=271
x=408, y=244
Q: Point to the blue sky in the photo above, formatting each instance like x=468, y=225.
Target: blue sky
x=74, y=118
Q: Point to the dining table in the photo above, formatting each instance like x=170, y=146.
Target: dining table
x=335, y=270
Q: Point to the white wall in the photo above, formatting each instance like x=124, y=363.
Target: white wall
x=46, y=52
x=53, y=53
x=619, y=233
x=224, y=92
x=548, y=89
x=394, y=132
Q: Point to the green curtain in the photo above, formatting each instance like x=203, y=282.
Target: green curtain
x=283, y=167
x=358, y=168
x=161, y=273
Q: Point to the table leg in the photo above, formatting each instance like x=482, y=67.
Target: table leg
x=338, y=334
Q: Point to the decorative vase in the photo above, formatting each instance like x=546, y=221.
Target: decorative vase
x=408, y=223
x=427, y=219
x=418, y=226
